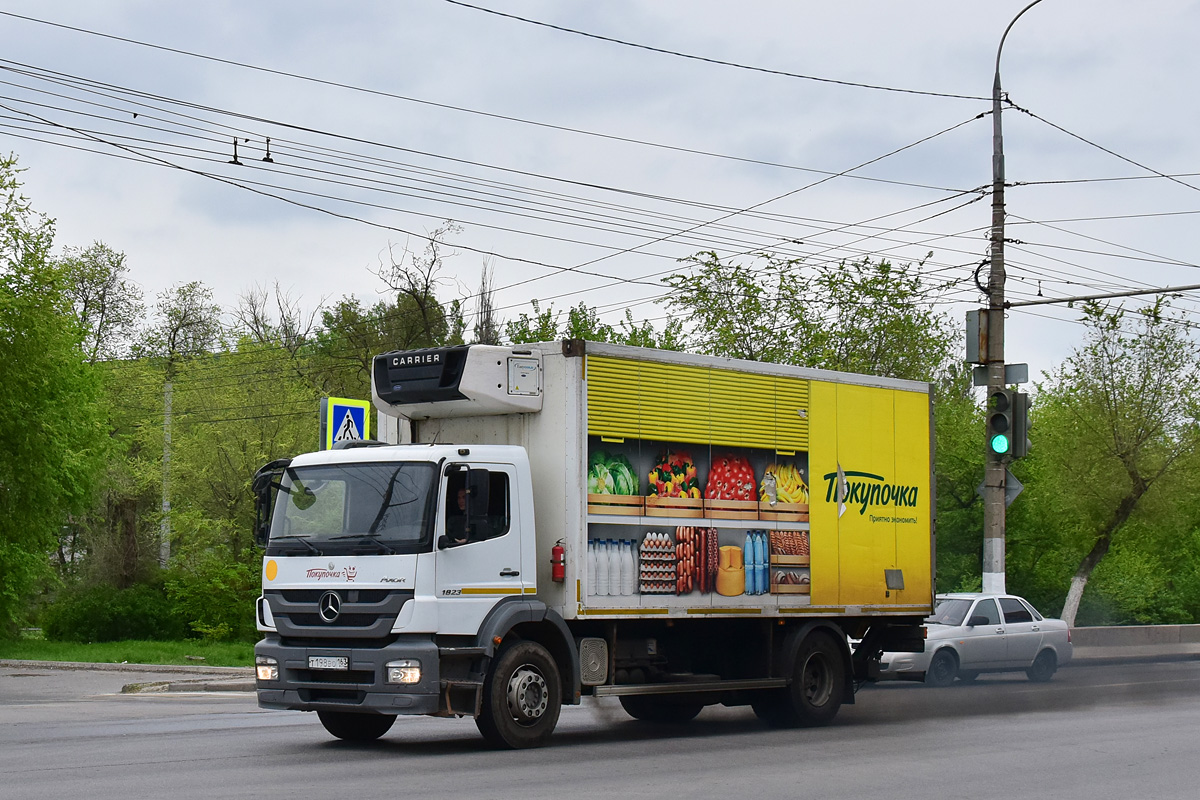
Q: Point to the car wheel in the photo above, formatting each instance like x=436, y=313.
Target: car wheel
x=967, y=675
x=1043, y=667
x=521, y=698
x=356, y=727
x=664, y=710
x=942, y=669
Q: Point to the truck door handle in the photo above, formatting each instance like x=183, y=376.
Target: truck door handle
x=509, y=573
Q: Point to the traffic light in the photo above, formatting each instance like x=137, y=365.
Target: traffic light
x=1000, y=423
x=1020, y=422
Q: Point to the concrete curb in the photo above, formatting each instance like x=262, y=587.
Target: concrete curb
x=188, y=686
x=207, y=679
x=126, y=667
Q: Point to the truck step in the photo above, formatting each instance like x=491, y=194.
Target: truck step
x=461, y=652
x=616, y=690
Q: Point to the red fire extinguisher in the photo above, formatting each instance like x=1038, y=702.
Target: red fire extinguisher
x=558, y=563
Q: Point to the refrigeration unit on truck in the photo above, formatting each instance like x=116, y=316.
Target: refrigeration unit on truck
x=571, y=519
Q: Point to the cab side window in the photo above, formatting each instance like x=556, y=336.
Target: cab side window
x=477, y=506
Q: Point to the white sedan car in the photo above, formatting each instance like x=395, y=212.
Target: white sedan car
x=973, y=633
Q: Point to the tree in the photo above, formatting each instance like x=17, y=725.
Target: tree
x=353, y=333
x=52, y=434
x=583, y=322
x=287, y=326
x=487, y=324
x=415, y=280
x=757, y=315
x=865, y=316
x=1117, y=420
x=106, y=302
x=188, y=325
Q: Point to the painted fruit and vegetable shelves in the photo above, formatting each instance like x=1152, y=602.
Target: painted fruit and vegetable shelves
x=732, y=489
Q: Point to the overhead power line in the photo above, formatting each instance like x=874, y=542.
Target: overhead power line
x=1102, y=148
x=429, y=103
x=716, y=61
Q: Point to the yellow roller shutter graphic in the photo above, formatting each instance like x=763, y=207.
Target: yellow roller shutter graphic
x=698, y=405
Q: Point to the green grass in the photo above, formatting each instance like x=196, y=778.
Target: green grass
x=215, y=654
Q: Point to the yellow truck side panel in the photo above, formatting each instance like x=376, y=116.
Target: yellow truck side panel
x=879, y=518
x=876, y=520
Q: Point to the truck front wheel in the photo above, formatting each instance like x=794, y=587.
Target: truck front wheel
x=522, y=697
x=356, y=727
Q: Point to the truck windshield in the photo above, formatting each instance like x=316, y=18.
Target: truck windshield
x=339, y=509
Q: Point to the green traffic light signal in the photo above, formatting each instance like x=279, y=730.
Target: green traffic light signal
x=999, y=423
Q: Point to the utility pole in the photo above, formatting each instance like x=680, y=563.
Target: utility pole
x=995, y=468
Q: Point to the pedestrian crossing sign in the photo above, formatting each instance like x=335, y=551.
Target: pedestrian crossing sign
x=344, y=420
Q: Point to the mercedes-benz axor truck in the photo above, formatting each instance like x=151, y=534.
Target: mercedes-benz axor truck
x=569, y=520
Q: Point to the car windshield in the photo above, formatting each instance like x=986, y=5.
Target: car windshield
x=949, y=611
x=354, y=508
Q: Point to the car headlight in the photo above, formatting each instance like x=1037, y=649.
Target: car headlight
x=406, y=670
x=266, y=668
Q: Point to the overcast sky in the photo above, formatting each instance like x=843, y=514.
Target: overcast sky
x=586, y=167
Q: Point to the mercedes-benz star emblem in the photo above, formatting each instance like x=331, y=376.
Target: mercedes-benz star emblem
x=329, y=606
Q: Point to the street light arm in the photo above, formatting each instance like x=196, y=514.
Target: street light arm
x=996, y=85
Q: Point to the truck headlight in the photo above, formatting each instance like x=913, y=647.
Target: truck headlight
x=406, y=670
x=266, y=668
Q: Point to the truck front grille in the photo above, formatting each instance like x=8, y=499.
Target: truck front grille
x=362, y=613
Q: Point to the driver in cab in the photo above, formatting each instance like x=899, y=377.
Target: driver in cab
x=461, y=528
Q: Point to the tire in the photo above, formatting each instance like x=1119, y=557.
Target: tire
x=815, y=693
x=967, y=675
x=774, y=708
x=1043, y=667
x=522, y=698
x=665, y=710
x=356, y=727
x=942, y=669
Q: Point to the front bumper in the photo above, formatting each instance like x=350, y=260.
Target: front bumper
x=361, y=688
x=903, y=666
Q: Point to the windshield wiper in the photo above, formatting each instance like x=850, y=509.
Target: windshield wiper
x=301, y=539
x=373, y=538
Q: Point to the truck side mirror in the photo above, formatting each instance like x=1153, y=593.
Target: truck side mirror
x=265, y=481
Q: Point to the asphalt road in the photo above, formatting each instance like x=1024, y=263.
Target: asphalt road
x=1117, y=731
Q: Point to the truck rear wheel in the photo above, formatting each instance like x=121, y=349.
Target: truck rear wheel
x=356, y=727
x=815, y=693
x=661, y=709
x=522, y=697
